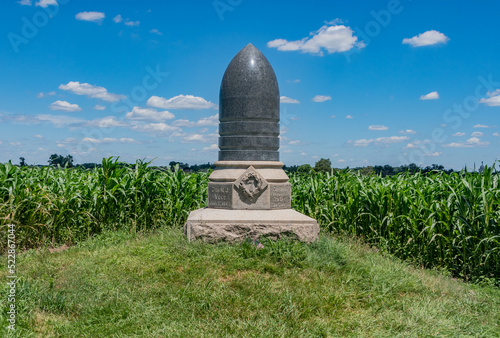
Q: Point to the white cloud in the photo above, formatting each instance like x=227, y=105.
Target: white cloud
x=349, y=117
x=193, y=138
x=128, y=140
x=38, y=136
x=293, y=81
x=64, y=106
x=391, y=139
x=132, y=23
x=477, y=134
x=157, y=128
x=155, y=31
x=285, y=99
x=212, y=147
x=470, y=143
x=335, y=21
x=458, y=134
x=428, y=38
x=380, y=141
x=46, y=3
x=99, y=107
x=434, y=154
x=209, y=138
x=208, y=121
x=90, y=16
x=100, y=140
x=496, y=134
x=91, y=91
x=117, y=19
x=331, y=37
x=107, y=140
x=69, y=140
x=411, y=146
x=378, y=127
x=294, y=142
x=333, y=116
x=59, y=120
x=149, y=114
x=363, y=142
x=482, y=126
x=42, y=94
x=430, y=96
x=407, y=132
x=493, y=100
x=341, y=160
x=203, y=122
x=25, y=2
x=303, y=154
x=321, y=98
x=107, y=122
x=181, y=102
x=183, y=123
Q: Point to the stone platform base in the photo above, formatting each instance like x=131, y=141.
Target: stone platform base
x=220, y=225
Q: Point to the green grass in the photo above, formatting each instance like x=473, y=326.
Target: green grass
x=160, y=285
x=436, y=220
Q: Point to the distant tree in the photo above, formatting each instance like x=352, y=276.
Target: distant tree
x=55, y=159
x=63, y=161
x=432, y=168
x=90, y=165
x=290, y=169
x=385, y=170
x=182, y=166
x=22, y=163
x=366, y=170
x=69, y=161
x=412, y=167
x=202, y=167
x=305, y=169
x=323, y=165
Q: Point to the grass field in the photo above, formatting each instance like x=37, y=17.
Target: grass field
x=437, y=220
x=159, y=285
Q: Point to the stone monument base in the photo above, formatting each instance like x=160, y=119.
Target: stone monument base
x=222, y=225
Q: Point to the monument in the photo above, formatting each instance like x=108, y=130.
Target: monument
x=248, y=192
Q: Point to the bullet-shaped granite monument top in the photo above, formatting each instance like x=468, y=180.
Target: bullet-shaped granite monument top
x=249, y=109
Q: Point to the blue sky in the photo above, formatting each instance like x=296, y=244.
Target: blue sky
x=362, y=82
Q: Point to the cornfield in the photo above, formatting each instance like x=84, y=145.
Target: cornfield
x=51, y=206
x=436, y=220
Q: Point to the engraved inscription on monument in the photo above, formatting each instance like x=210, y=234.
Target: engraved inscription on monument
x=280, y=196
x=220, y=195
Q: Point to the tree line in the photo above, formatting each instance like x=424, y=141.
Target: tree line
x=325, y=165
x=322, y=165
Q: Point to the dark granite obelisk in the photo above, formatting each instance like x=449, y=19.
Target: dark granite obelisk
x=249, y=110
x=248, y=192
